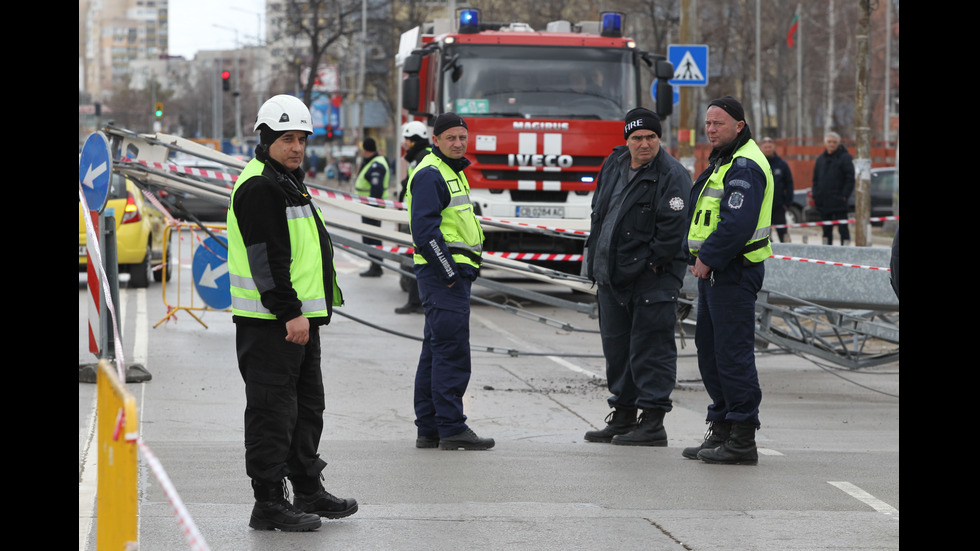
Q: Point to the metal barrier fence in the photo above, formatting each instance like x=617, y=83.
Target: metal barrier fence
x=189, y=237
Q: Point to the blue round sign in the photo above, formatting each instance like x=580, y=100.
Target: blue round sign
x=210, y=272
x=95, y=170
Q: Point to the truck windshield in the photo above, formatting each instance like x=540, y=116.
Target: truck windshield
x=539, y=81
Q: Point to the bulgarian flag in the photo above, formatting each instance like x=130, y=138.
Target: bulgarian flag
x=793, y=27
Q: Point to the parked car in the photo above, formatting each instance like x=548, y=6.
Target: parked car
x=204, y=208
x=794, y=212
x=883, y=188
x=140, y=233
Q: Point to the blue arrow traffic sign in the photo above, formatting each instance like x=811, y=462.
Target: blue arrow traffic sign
x=653, y=93
x=690, y=64
x=210, y=272
x=95, y=170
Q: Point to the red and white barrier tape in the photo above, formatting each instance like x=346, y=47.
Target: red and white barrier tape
x=194, y=538
x=207, y=173
x=511, y=256
x=830, y=263
x=833, y=222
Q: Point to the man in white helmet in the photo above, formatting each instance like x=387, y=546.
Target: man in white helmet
x=415, y=142
x=283, y=288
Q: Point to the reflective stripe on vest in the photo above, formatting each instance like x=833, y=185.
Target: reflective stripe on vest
x=460, y=227
x=306, y=267
x=708, y=208
x=363, y=187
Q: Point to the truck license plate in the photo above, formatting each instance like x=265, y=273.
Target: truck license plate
x=540, y=212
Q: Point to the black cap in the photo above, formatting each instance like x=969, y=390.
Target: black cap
x=447, y=121
x=268, y=135
x=731, y=106
x=369, y=145
x=641, y=117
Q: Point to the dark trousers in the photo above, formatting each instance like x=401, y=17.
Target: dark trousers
x=779, y=219
x=370, y=240
x=828, y=231
x=725, y=339
x=637, y=330
x=444, y=367
x=284, y=403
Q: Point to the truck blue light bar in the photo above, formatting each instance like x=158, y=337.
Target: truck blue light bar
x=469, y=21
x=612, y=24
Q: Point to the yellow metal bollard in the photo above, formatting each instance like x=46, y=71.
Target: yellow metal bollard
x=116, y=521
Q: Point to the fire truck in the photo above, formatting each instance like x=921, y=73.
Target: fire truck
x=543, y=110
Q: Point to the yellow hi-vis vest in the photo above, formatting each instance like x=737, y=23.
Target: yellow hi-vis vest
x=707, y=211
x=305, y=270
x=363, y=187
x=460, y=227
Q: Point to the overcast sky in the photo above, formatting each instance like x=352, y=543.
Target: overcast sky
x=192, y=24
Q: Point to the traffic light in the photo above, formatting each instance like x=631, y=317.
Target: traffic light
x=158, y=111
x=329, y=132
x=225, y=80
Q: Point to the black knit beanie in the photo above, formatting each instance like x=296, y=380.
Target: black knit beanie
x=641, y=117
x=731, y=106
x=447, y=121
x=268, y=135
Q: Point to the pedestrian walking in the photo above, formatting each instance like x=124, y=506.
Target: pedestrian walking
x=833, y=184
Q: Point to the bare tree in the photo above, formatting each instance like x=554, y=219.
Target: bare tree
x=316, y=26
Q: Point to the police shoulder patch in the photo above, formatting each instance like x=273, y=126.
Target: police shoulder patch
x=735, y=200
x=676, y=203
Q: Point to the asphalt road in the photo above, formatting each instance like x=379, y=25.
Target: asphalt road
x=828, y=475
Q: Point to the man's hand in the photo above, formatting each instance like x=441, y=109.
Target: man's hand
x=298, y=330
x=700, y=270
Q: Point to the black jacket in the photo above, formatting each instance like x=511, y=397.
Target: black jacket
x=260, y=205
x=833, y=180
x=649, y=229
x=782, y=178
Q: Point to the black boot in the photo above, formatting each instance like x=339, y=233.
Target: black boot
x=312, y=498
x=410, y=308
x=739, y=449
x=273, y=511
x=649, y=431
x=466, y=440
x=716, y=435
x=373, y=271
x=619, y=421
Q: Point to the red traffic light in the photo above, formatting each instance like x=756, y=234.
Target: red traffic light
x=226, y=80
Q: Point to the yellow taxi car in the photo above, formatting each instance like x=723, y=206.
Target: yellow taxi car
x=140, y=232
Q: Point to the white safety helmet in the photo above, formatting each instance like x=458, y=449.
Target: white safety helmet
x=414, y=128
x=284, y=112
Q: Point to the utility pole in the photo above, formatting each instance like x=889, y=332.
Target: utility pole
x=685, y=124
x=862, y=163
x=360, y=75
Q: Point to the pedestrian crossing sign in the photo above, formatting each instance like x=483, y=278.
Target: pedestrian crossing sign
x=690, y=64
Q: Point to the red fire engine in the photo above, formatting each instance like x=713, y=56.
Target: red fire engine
x=543, y=109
